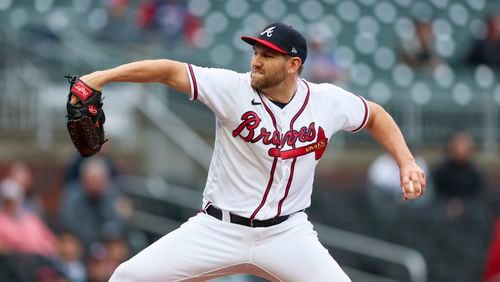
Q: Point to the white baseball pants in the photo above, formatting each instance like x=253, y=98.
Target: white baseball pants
x=205, y=247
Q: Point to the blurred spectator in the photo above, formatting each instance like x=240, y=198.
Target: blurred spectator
x=457, y=177
x=98, y=269
x=487, y=51
x=492, y=265
x=90, y=207
x=420, y=51
x=29, y=268
x=70, y=257
x=171, y=17
x=103, y=262
x=193, y=27
x=146, y=13
x=384, y=189
x=72, y=172
x=48, y=274
x=117, y=251
x=321, y=62
x=22, y=230
x=118, y=25
x=20, y=173
x=117, y=9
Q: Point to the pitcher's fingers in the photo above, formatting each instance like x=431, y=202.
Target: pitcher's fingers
x=418, y=188
x=408, y=188
x=422, y=180
x=74, y=100
x=405, y=179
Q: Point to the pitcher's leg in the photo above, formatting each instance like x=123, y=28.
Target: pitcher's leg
x=201, y=245
x=296, y=255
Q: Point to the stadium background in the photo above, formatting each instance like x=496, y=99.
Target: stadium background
x=158, y=139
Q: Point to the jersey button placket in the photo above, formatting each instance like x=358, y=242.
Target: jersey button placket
x=283, y=163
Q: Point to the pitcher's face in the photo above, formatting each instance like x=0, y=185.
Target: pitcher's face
x=268, y=67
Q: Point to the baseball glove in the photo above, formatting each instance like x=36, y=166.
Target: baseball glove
x=85, y=117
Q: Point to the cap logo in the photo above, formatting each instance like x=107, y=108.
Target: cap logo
x=294, y=51
x=268, y=31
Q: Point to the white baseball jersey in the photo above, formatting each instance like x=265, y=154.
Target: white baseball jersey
x=262, y=167
x=265, y=156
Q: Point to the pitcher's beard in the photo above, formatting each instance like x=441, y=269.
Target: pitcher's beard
x=261, y=81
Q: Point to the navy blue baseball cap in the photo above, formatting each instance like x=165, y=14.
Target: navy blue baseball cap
x=282, y=38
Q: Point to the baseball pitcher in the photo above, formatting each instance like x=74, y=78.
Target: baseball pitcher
x=272, y=129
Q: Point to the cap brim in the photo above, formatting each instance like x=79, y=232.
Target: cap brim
x=252, y=41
